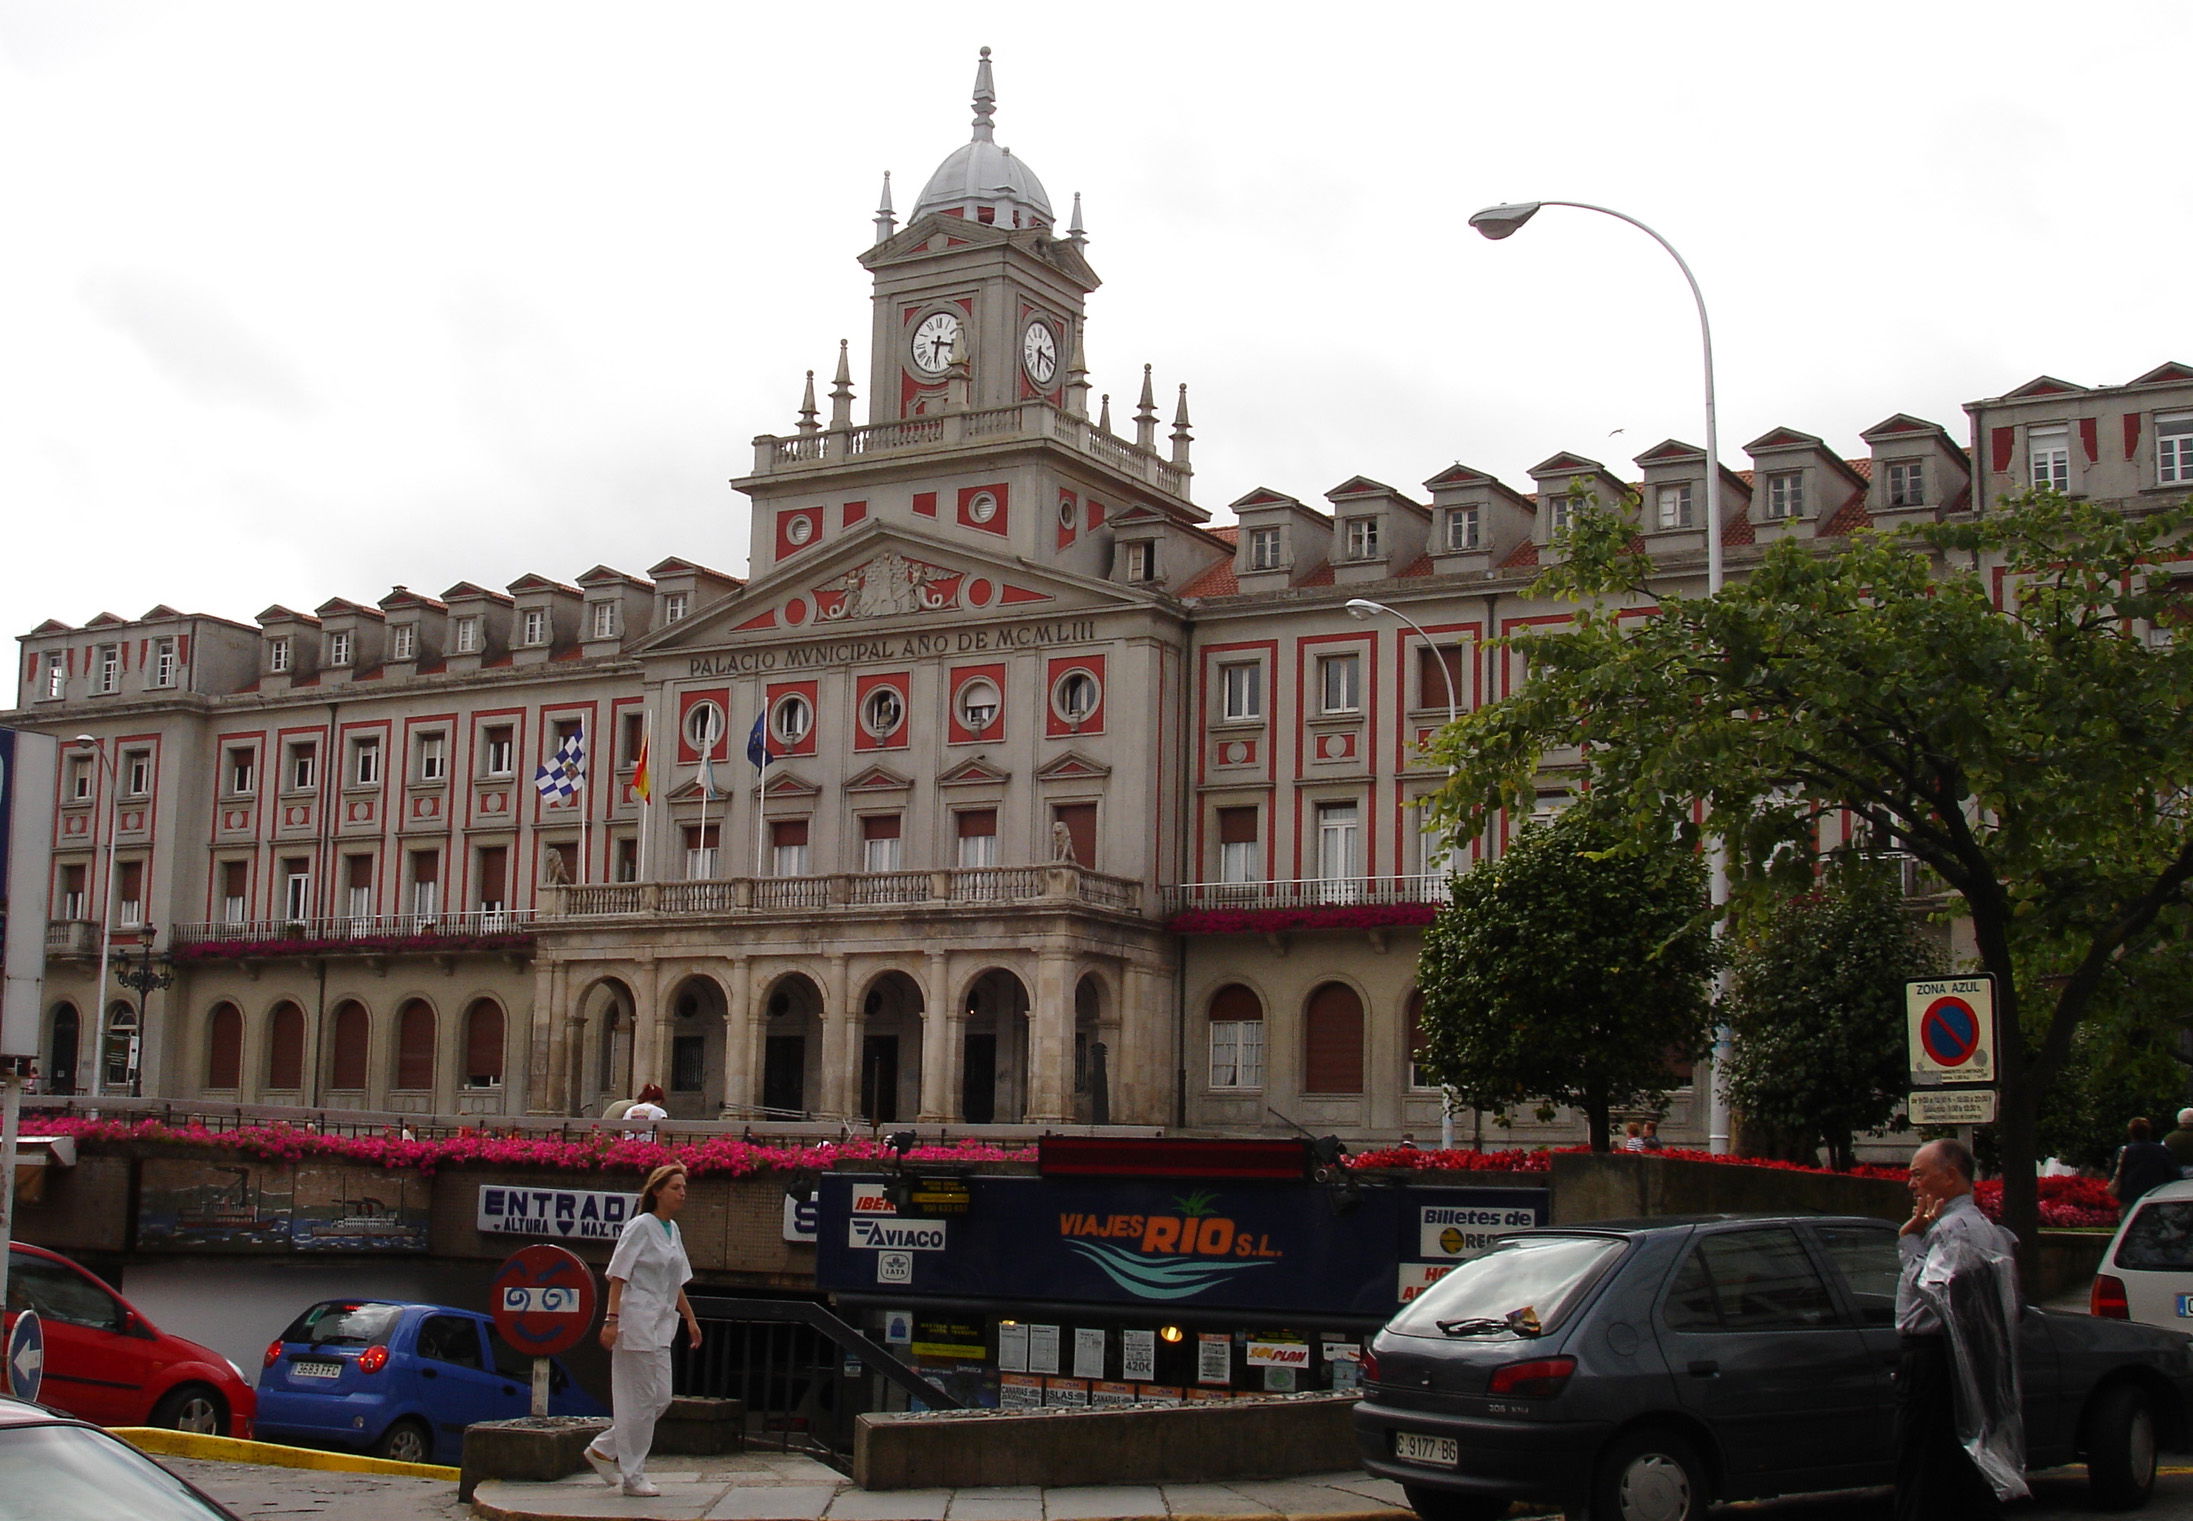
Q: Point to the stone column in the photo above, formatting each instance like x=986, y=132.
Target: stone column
x=548, y=1038
x=941, y=1022
x=840, y=1040
x=1051, y=1041
x=739, y=1068
x=657, y=1069
x=646, y=1002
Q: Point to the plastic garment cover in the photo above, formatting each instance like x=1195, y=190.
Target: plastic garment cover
x=1973, y=1286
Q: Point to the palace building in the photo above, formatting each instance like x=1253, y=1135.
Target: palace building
x=1075, y=807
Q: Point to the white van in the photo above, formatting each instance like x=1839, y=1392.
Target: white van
x=2147, y=1273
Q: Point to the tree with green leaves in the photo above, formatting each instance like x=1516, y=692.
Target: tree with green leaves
x=1816, y=1003
x=1568, y=971
x=1981, y=694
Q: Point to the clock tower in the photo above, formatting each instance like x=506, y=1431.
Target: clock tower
x=978, y=303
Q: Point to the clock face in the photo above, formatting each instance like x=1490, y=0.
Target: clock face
x=934, y=341
x=1039, y=352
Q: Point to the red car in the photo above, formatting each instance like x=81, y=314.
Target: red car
x=107, y=1364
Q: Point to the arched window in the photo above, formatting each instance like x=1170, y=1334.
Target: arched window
x=483, y=1045
x=225, y=1047
x=415, y=1046
x=1332, y=1041
x=286, y=1049
x=61, y=1057
x=346, y=1066
x=1237, y=1038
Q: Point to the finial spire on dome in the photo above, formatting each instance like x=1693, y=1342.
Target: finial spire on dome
x=1181, y=436
x=807, y=407
x=1104, y=415
x=841, y=390
x=986, y=98
x=1074, y=233
x=1146, y=414
x=1077, y=378
x=887, y=222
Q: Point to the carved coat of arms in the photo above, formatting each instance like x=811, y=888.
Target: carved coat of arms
x=888, y=586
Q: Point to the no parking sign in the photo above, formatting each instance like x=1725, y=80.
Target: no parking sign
x=1952, y=1030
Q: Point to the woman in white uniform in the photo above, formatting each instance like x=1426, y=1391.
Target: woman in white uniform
x=647, y=1276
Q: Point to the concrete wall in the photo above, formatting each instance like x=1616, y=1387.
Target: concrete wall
x=1628, y=1186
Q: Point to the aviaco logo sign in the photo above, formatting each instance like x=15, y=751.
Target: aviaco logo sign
x=1169, y=1256
x=895, y=1235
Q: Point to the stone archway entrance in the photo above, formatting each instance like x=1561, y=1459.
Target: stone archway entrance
x=791, y=1075
x=994, y=1058
x=891, y=1047
x=692, y=1069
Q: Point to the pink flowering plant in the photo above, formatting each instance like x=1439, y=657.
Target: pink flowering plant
x=1279, y=921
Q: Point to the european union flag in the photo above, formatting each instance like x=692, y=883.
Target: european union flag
x=757, y=743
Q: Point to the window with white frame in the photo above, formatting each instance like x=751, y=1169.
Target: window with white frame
x=1237, y=1038
x=1435, y=853
x=788, y=847
x=304, y=765
x=403, y=642
x=1264, y=552
x=278, y=654
x=533, y=626
x=604, y=619
x=1340, y=683
x=467, y=636
x=1339, y=842
x=793, y=719
x=1075, y=697
x=882, y=712
x=165, y=662
x=297, y=887
x=1907, y=483
x=56, y=681
x=1785, y=495
x=880, y=842
x=1140, y=559
x=1674, y=504
x=243, y=770
x=358, y=886
x=1243, y=686
x=673, y=606
x=235, y=891
x=430, y=761
x=1462, y=526
x=978, y=704
x=1362, y=541
x=1562, y=508
x=338, y=647
x=136, y=772
x=426, y=885
x=2048, y=456
x=80, y=778
x=129, y=892
x=2174, y=449
x=1240, y=847
x=497, y=754
x=74, y=900
x=109, y=668
x=977, y=833
x=365, y=761
x=705, y=727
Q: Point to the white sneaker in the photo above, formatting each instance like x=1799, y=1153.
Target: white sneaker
x=641, y=1489
x=602, y=1464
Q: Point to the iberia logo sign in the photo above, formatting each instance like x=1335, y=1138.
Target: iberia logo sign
x=1175, y=1256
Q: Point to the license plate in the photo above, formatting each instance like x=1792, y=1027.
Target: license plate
x=1411, y=1448
x=2185, y=1304
x=310, y=1367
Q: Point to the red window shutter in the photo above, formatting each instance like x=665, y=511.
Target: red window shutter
x=286, y=1048
x=1237, y=826
x=483, y=1042
x=225, y=1047
x=1234, y=1003
x=2002, y=442
x=347, y=1068
x=415, y=1046
x=235, y=878
x=880, y=826
x=494, y=861
x=976, y=823
x=359, y=870
x=1332, y=1056
x=1431, y=685
x=129, y=882
x=2131, y=434
x=1080, y=821
x=2089, y=429
x=788, y=832
x=426, y=866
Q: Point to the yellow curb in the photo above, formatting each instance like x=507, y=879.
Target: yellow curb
x=185, y=1444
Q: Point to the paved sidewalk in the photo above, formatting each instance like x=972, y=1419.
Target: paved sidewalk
x=782, y=1487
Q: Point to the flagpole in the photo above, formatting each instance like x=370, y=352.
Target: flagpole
x=586, y=811
x=643, y=782
x=761, y=813
x=707, y=780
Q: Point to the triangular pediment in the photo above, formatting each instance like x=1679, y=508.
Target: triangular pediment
x=1459, y=474
x=934, y=234
x=972, y=773
x=160, y=612
x=275, y=614
x=1900, y=423
x=1359, y=485
x=466, y=591
x=878, y=779
x=1783, y=438
x=2164, y=374
x=677, y=567
x=884, y=579
x=535, y=582
x=1566, y=463
x=603, y=575
x=1667, y=451
x=337, y=607
x=1073, y=766
x=786, y=784
x=1263, y=497
x=52, y=626
x=2044, y=385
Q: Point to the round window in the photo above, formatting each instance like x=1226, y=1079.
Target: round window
x=792, y=718
x=1075, y=696
x=704, y=726
x=978, y=704
x=982, y=507
x=800, y=528
x=882, y=712
x=1067, y=513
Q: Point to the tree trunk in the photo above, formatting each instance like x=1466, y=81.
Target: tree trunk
x=1595, y=1115
x=2017, y=1125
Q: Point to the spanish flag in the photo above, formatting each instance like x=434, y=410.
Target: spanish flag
x=643, y=787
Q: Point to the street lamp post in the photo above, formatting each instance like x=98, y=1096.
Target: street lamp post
x=1498, y=222
x=143, y=975
x=1364, y=607
x=98, y=751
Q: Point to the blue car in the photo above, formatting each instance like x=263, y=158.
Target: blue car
x=401, y=1381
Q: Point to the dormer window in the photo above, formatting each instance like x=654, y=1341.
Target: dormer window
x=533, y=626
x=1675, y=509
x=338, y=649
x=2048, y=455
x=1141, y=560
x=1785, y=495
x=1561, y=510
x=1264, y=549
x=673, y=606
x=467, y=641
x=2174, y=449
x=110, y=669
x=603, y=620
x=278, y=654
x=1362, y=538
x=1907, y=483
x=404, y=642
x=1462, y=528
x=57, y=675
x=164, y=662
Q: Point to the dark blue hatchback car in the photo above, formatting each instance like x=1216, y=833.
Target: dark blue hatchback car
x=399, y=1380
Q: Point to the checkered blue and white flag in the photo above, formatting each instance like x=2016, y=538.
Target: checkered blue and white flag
x=564, y=773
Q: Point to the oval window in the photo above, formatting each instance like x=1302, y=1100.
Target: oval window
x=982, y=507
x=704, y=725
x=978, y=704
x=882, y=711
x=1075, y=696
x=792, y=719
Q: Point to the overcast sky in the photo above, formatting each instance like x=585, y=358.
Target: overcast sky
x=306, y=300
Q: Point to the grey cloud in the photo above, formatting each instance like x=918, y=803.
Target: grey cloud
x=195, y=342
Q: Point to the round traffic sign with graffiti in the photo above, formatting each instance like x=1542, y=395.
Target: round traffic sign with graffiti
x=543, y=1300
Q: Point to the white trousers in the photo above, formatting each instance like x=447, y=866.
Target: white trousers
x=639, y=1392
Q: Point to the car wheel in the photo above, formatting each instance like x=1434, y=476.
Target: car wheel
x=1649, y=1476
x=1439, y=1505
x=406, y=1442
x=2120, y=1448
x=194, y=1408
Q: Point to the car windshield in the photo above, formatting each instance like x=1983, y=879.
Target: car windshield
x=68, y=1473
x=1523, y=1285
x=344, y=1323
x=2160, y=1236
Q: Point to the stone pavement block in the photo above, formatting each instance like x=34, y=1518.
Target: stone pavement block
x=787, y=1503
x=1000, y=1504
x=1192, y=1502
x=495, y=1500
x=1295, y=1498
x=1104, y=1502
x=896, y=1505
x=1378, y=1491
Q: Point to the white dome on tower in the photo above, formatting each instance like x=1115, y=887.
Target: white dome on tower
x=982, y=181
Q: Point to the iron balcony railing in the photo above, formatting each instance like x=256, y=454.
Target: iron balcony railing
x=1051, y=883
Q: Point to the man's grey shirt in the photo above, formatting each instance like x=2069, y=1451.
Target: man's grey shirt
x=1960, y=1217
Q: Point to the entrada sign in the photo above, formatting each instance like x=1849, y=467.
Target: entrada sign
x=561, y=1213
